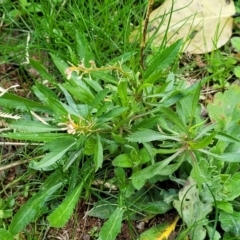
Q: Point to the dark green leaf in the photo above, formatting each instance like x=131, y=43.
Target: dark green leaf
x=64, y=211
x=43, y=72
x=52, y=157
x=34, y=205
x=15, y=102
x=163, y=168
x=83, y=94
x=148, y=135
x=173, y=117
x=31, y=126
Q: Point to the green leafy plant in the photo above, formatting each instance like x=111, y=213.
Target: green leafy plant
x=120, y=132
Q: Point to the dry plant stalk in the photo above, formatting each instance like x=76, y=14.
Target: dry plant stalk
x=144, y=34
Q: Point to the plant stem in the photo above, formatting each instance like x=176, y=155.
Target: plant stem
x=143, y=41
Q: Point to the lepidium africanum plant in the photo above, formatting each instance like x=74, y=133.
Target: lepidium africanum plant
x=144, y=130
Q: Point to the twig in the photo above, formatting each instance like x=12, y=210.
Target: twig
x=11, y=165
x=19, y=144
x=143, y=41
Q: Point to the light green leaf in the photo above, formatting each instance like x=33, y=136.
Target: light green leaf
x=98, y=154
x=162, y=59
x=225, y=206
x=192, y=210
x=212, y=233
x=63, y=212
x=232, y=187
x=230, y=222
x=37, y=137
x=112, y=227
x=224, y=110
x=204, y=142
x=31, y=126
x=237, y=71
x=60, y=64
x=34, y=205
x=148, y=135
x=122, y=92
x=236, y=43
x=5, y=234
x=226, y=157
x=122, y=160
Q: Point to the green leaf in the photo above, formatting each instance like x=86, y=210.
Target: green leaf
x=173, y=117
x=31, y=126
x=37, y=137
x=63, y=212
x=61, y=65
x=162, y=59
x=237, y=71
x=232, y=187
x=34, y=205
x=226, y=157
x=52, y=157
x=15, y=102
x=225, y=206
x=112, y=227
x=192, y=210
x=163, y=168
x=155, y=207
x=236, y=43
x=224, y=110
x=230, y=222
x=147, y=135
x=204, y=142
x=122, y=92
x=99, y=98
x=108, y=78
x=98, y=154
x=43, y=72
x=5, y=234
x=122, y=160
x=82, y=93
x=102, y=209
x=83, y=49
x=114, y=112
